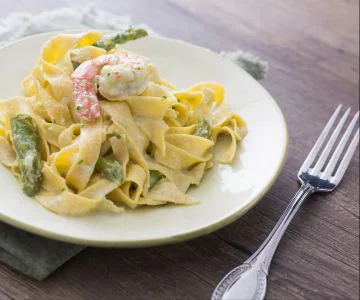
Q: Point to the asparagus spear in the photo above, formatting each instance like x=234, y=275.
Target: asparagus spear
x=25, y=142
x=155, y=177
x=110, y=169
x=202, y=129
x=75, y=64
x=128, y=34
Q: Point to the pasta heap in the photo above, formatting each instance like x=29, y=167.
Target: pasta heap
x=145, y=148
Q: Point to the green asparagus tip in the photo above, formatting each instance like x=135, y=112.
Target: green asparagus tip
x=140, y=32
x=25, y=142
x=122, y=37
x=203, y=129
x=110, y=169
x=155, y=177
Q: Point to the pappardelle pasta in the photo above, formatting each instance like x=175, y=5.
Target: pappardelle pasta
x=99, y=130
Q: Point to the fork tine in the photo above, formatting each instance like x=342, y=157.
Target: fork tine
x=346, y=160
x=339, y=149
x=314, y=151
x=330, y=144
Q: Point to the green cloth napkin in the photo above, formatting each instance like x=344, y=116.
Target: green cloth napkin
x=33, y=255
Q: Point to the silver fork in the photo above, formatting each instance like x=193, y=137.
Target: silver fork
x=248, y=281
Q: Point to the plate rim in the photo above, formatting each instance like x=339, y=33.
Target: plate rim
x=207, y=228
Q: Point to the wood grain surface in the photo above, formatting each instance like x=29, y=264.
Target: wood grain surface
x=313, y=50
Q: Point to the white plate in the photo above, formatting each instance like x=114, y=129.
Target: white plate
x=226, y=192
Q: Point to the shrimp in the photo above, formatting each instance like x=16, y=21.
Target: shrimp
x=113, y=75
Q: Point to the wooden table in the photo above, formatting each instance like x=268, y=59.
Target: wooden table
x=313, y=50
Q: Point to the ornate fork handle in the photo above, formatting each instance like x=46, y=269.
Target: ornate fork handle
x=248, y=281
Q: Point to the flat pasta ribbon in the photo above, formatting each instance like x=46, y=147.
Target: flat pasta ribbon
x=153, y=145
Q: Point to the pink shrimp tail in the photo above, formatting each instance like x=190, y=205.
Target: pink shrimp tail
x=85, y=99
x=84, y=92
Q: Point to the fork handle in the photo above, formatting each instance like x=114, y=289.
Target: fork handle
x=248, y=281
